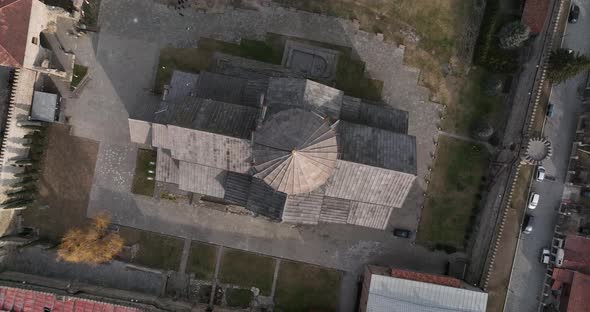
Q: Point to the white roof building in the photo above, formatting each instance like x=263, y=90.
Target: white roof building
x=420, y=293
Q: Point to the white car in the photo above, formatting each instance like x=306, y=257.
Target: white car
x=540, y=175
x=545, y=256
x=534, y=200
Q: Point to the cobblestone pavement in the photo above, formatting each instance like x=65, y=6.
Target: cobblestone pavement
x=123, y=58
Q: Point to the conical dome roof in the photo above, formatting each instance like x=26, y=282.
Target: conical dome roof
x=295, y=151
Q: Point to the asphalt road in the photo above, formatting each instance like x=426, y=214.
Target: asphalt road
x=528, y=274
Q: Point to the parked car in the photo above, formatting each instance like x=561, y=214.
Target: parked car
x=559, y=257
x=528, y=224
x=540, y=175
x=534, y=200
x=402, y=233
x=574, y=14
x=550, y=110
x=545, y=256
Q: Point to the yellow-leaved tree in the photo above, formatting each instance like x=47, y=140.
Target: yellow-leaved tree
x=92, y=244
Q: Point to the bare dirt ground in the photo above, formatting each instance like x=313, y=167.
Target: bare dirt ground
x=67, y=171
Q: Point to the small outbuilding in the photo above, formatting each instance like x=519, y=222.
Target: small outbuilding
x=45, y=107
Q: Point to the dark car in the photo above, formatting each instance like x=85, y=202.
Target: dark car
x=402, y=233
x=528, y=224
x=574, y=14
x=550, y=110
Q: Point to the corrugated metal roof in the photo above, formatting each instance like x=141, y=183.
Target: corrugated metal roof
x=265, y=201
x=368, y=184
x=182, y=85
x=140, y=131
x=166, y=167
x=210, y=149
x=390, y=294
x=377, y=147
x=160, y=136
x=201, y=179
x=374, y=115
x=222, y=88
x=237, y=188
x=209, y=115
x=15, y=299
x=369, y=215
x=304, y=208
x=295, y=151
x=44, y=106
x=335, y=210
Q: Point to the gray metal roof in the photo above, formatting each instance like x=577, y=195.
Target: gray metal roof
x=373, y=114
x=237, y=188
x=265, y=201
x=45, y=106
x=201, y=179
x=209, y=115
x=369, y=215
x=210, y=149
x=221, y=88
x=182, y=85
x=287, y=93
x=377, y=147
x=304, y=208
x=295, y=151
x=166, y=167
x=390, y=294
x=368, y=184
x=335, y=210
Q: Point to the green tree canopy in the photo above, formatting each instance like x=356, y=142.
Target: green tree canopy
x=564, y=64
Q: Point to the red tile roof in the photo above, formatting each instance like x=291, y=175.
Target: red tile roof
x=560, y=277
x=21, y=300
x=576, y=254
x=14, y=26
x=534, y=14
x=426, y=278
x=579, y=298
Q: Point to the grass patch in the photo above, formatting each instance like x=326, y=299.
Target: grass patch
x=350, y=72
x=305, y=287
x=141, y=184
x=453, y=194
x=474, y=107
x=78, y=75
x=155, y=250
x=247, y=269
x=438, y=24
x=201, y=260
x=238, y=298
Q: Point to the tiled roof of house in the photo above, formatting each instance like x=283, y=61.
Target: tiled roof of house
x=14, y=27
x=535, y=14
x=579, y=298
x=426, y=278
x=16, y=299
x=577, y=254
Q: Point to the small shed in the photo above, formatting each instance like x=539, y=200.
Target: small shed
x=45, y=106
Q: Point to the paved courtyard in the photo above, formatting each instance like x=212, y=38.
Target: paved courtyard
x=123, y=59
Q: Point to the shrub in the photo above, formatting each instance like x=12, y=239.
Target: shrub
x=513, y=35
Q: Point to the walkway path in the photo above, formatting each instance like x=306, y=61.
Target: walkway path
x=468, y=139
x=185, y=254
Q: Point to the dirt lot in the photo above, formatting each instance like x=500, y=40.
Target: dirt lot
x=67, y=171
